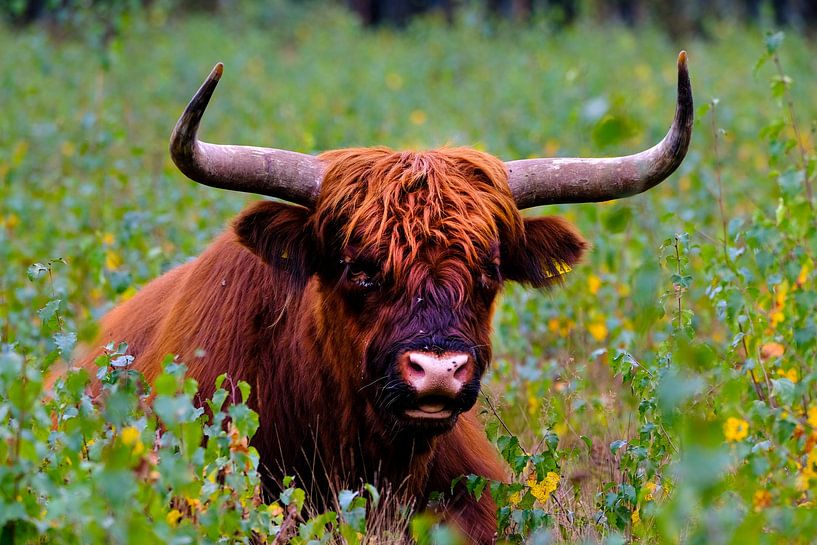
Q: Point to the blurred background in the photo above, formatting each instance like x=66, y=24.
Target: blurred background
x=676, y=365
x=675, y=16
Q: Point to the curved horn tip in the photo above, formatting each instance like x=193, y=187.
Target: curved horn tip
x=682, y=59
x=215, y=73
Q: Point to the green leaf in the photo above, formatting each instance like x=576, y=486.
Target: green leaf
x=65, y=342
x=773, y=41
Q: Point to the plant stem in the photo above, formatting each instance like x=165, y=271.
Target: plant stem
x=796, y=129
x=719, y=179
x=679, y=288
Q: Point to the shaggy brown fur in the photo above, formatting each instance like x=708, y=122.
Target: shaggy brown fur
x=312, y=308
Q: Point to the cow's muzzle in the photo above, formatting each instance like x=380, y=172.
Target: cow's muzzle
x=437, y=380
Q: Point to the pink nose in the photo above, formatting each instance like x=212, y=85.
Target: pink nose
x=432, y=374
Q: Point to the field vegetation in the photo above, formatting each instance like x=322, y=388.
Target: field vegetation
x=667, y=393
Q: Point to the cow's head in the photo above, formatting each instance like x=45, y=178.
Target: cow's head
x=406, y=252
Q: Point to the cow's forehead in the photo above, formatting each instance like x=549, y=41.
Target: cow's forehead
x=398, y=205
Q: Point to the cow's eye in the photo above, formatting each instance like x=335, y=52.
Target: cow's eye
x=362, y=274
x=490, y=276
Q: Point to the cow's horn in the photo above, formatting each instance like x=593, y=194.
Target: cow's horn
x=536, y=182
x=287, y=175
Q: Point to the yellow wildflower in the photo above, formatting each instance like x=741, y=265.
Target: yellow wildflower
x=515, y=498
x=781, y=294
x=791, y=374
x=127, y=294
x=173, y=517
x=807, y=473
x=95, y=294
x=636, y=517
x=11, y=221
x=274, y=509
x=593, y=284
x=598, y=330
x=108, y=239
x=735, y=429
x=803, y=276
x=551, y=147
x=650, y=489
x=131, y=437
x=553, y=325
x=418, y=117
x=812, y=416
x=541, y=490
x=112, y=260
x=761, y=500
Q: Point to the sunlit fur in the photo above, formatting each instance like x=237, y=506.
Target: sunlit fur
x=312, y=306
x=397, y=204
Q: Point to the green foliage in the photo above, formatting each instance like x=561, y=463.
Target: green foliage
x=665, y=394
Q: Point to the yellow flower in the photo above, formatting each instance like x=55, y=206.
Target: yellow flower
x=780, y=295
x=541, y=490
x=803, y=276
x=636, y=517
x=515, y=498
x=418, y=117
x=533, y=404
x=598, y=330
x=127, y=294
x=808, y=473
x=791, y=374
x=274, y=509
x=173, y=517
x=131, y=437
x=551, y=147
x=735, y=429
x=593, y=284
x=108, y=239
x=761, y=500
x=112, y=260
x=812, y=416
x=650, y=488
x=553, y=325
x=11, y=221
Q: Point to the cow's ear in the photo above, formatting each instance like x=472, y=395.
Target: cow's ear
x=550, y=247
x=280, y=235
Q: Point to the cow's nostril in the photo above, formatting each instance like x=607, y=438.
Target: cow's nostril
x=417, y=368
x=461, y=373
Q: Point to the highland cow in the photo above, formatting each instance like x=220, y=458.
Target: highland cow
x=360, y=313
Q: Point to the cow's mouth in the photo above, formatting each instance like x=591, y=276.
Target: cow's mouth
x=432, y=408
